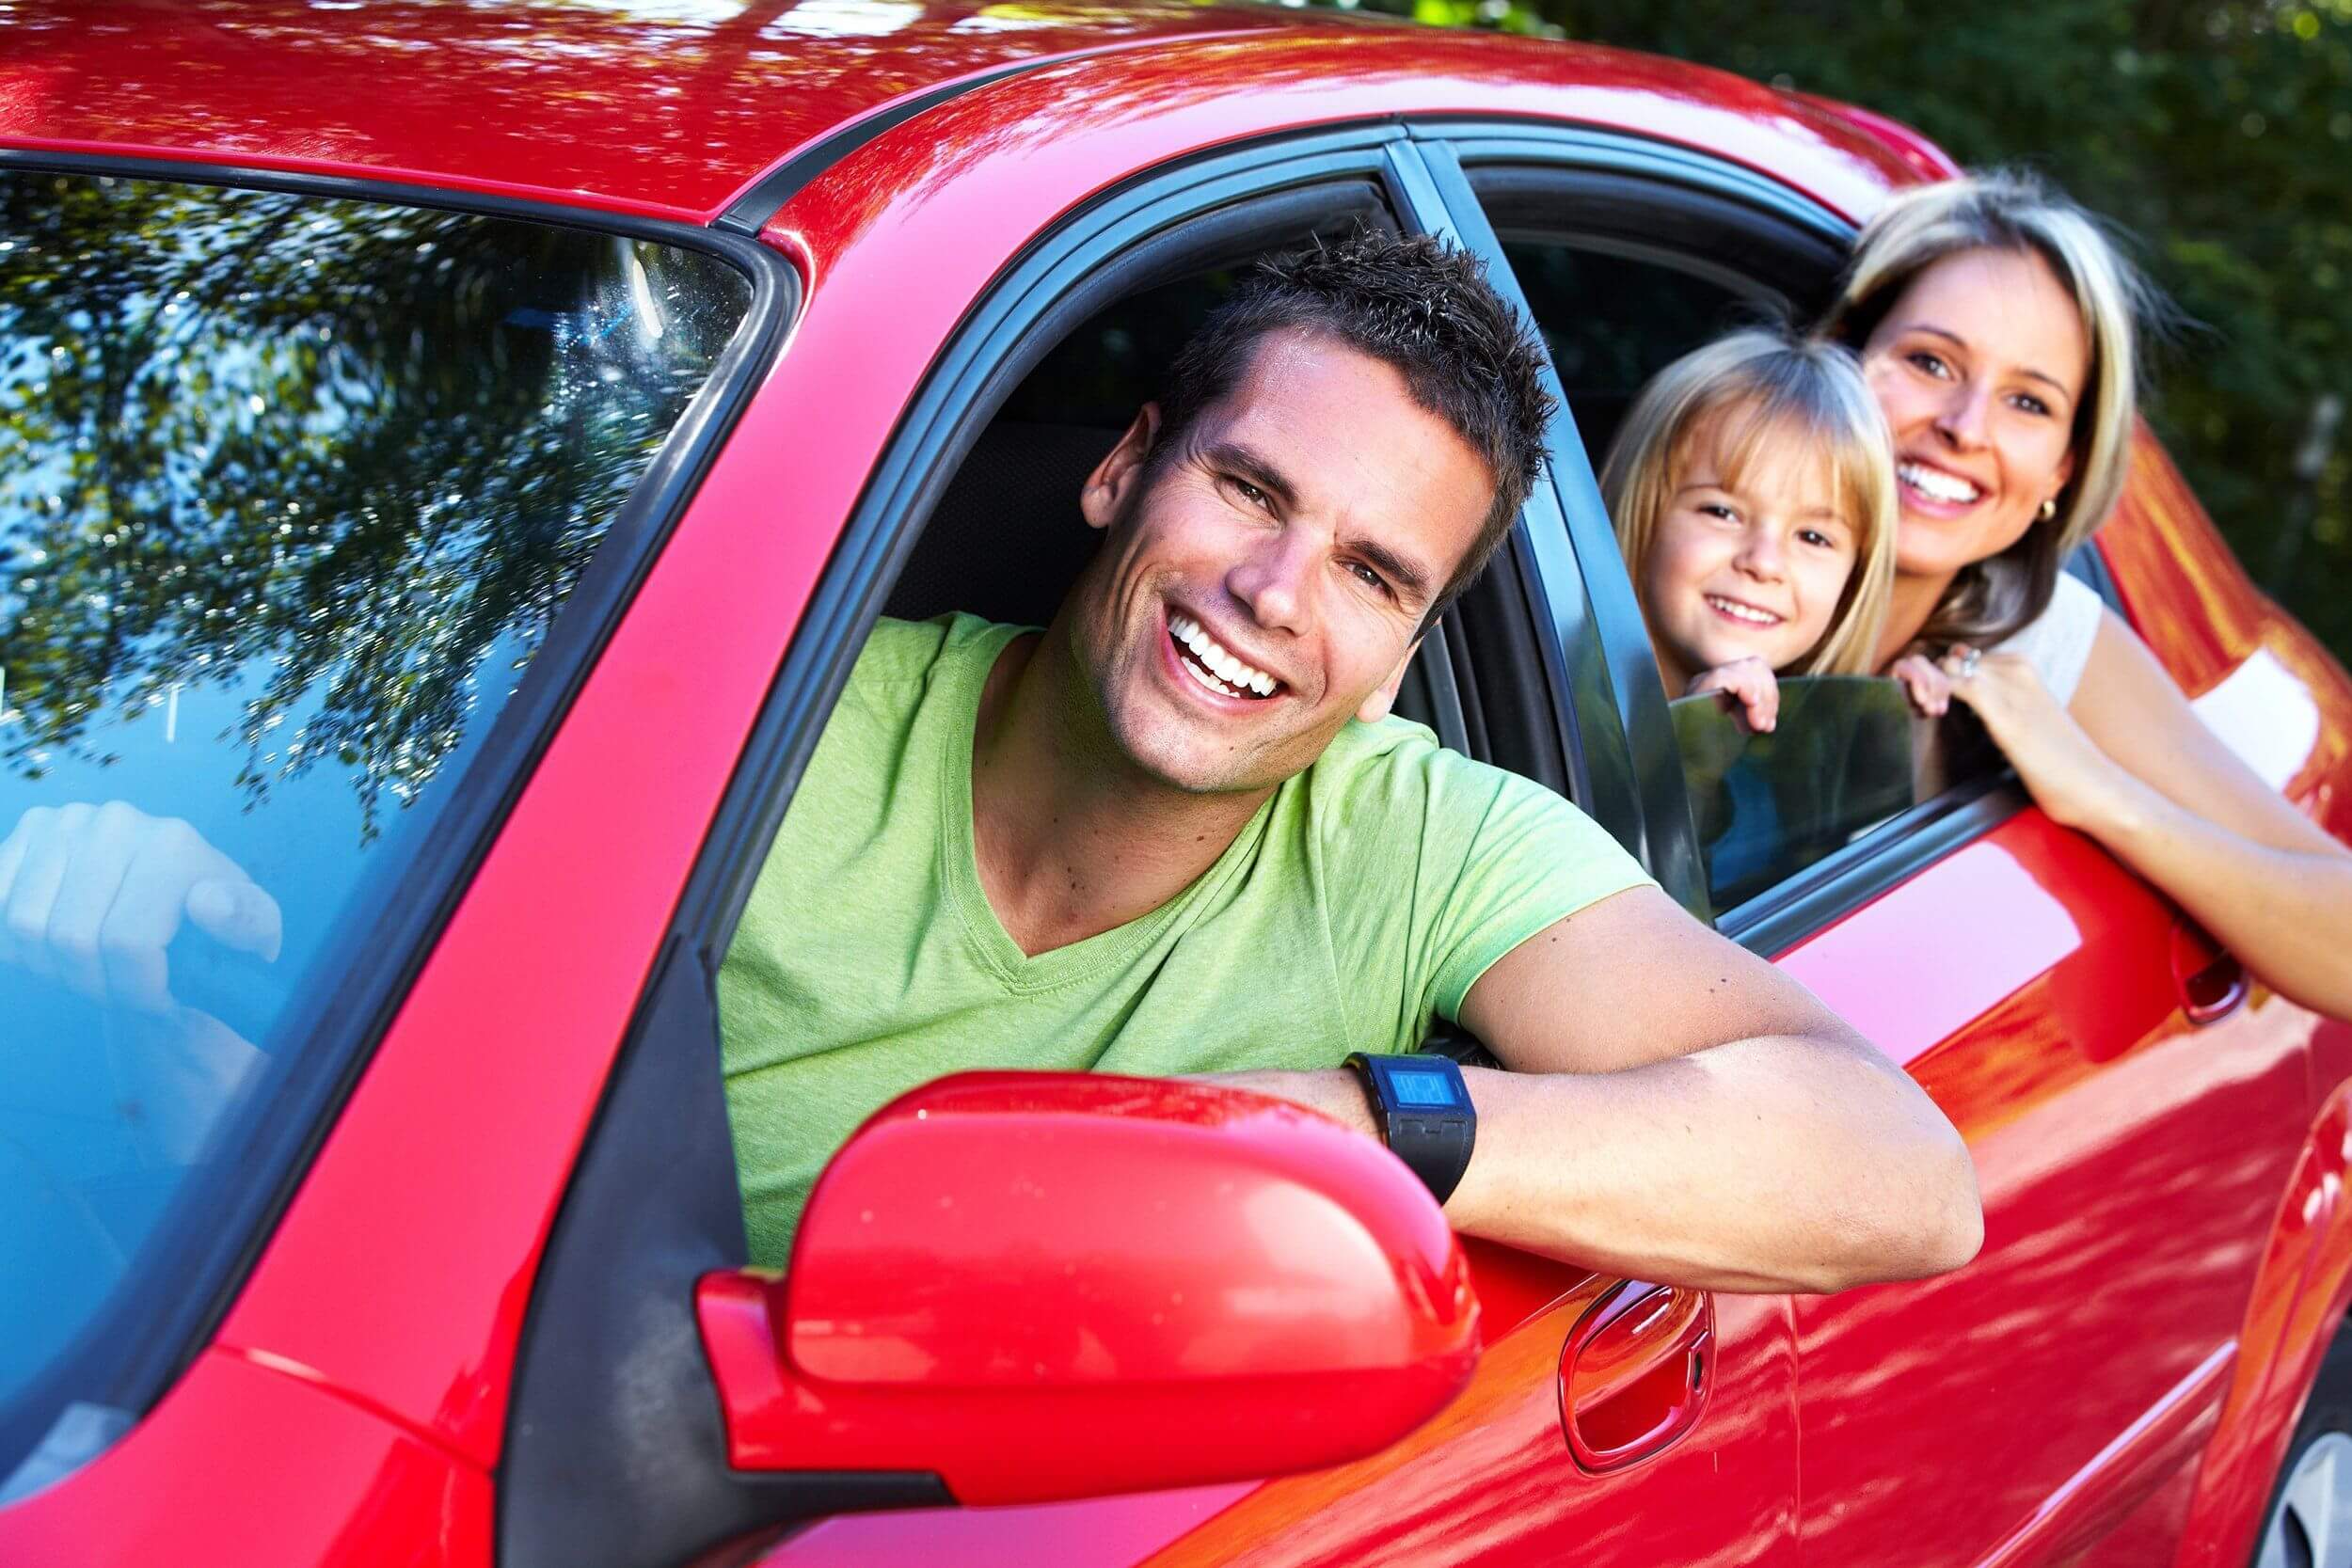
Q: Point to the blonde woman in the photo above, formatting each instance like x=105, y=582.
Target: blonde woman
x=1997, y=327
x=1755, y=503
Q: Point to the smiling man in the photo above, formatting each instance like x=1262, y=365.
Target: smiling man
x=1177, y=832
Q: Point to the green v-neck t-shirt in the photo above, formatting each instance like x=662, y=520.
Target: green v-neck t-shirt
x=1365, y=898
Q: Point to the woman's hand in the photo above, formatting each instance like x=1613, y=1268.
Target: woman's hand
x=1751, y=686
x=2068, y=775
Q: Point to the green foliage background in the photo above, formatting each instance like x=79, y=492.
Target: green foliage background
x=2218, y=133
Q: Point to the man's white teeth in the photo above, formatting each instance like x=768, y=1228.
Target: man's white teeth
x=1230, y=671
x=1749, y=613
x=1936, y=485
x=1208, y=680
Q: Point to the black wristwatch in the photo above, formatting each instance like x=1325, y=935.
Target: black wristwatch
x=1424, y=1115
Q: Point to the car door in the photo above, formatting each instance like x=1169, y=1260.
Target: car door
x=1608, y=1421
x=2054, y=1394
x=2130, y=1158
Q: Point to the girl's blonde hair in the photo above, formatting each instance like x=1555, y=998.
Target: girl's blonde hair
x=1775, y=389
x=2011, y=211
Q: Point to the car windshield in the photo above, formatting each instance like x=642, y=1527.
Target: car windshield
x=1837, y=762
x=290, y=492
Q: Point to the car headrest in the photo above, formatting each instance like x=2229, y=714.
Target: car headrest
x=1007, y=539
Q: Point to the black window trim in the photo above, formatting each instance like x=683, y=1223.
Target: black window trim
x=1621, y=739
x=1726, y=278
x=1595, y=150
x=344, y=1029
x=1823, y=893
x=1786, y=914
x=1576, y=669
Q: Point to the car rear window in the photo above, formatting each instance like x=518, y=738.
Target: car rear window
x=292, y=490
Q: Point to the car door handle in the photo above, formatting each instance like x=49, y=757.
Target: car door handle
x=1634, y=1374
x=2211, y=982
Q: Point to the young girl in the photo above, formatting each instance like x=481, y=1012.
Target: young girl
x=1753, y=489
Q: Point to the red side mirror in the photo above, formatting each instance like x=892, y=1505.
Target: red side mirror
x=1041, y=1286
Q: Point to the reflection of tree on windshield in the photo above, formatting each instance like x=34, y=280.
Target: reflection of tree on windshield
x=326, y=452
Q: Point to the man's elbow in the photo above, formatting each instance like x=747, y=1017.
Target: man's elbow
x=1927, y=1220
x=1955, y=1231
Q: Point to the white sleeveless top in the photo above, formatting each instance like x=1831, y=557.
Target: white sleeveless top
x=2057, y=641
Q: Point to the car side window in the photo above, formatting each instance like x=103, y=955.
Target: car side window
x=999, y=549
x=1613, y=321
x=1838, y=763
x=308, y=504
x=1846, y=755
x=1003, y=539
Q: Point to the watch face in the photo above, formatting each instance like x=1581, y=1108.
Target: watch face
x=1420, y=1088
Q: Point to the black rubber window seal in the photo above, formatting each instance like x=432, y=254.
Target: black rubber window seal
x=752, y=211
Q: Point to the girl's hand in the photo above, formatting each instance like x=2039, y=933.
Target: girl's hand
x=2068, y=775
x=1930, y=693
x=1750, y=682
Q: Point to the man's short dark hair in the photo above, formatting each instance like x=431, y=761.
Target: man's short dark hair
x=1416, y=305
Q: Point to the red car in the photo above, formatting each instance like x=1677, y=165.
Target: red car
x=449, y=457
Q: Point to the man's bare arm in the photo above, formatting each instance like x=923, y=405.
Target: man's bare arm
x=1679, y=1110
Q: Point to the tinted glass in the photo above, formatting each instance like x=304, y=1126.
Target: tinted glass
x=290, y=491
x=1838, y=761
x=1612, y=322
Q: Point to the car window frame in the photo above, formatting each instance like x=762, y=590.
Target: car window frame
x=654, y=1200
x=152, y=1336
x=1636, y=168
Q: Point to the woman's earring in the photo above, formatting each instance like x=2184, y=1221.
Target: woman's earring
x=2049, y=510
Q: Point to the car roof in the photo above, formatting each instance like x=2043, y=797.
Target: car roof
x=670, y=108
x=663, y=106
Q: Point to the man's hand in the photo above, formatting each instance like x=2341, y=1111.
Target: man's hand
x=91, y=895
